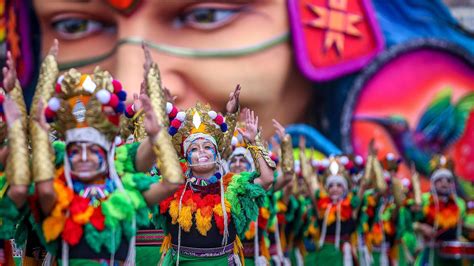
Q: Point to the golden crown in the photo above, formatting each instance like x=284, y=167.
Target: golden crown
x=83, y=100
x=198, y=119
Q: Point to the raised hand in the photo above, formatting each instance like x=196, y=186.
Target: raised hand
x=9, y=74
x=152, y=127
x=169, y=97
x=12, y=113
x=54, y=48
x=302, y=143
x=233, y=103
x=251, y=126
x=279, y=129
x=148, y=59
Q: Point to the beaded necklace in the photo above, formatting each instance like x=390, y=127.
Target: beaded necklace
x=95, y=192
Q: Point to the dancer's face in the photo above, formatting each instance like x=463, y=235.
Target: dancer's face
x=444, y=185
x=269, y=78
x=86, y=159
x=202, y=156
x=336, y=191
x=239, y=164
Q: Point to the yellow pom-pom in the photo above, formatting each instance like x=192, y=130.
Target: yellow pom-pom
x=52, y=227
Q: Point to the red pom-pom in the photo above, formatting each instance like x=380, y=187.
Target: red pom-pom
x=2, y=98
x=57, y=89
x=349, y=165
x=219, y=119
x=97, y=219
x=176, y=123
x=49, y=114
x=129, y=111
x=173, y=112
x=114, y=100
x=117, y=86
x=72, y=232
x=78, y=205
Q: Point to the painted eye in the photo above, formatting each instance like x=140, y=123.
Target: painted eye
x=208, y=18
x=76, y=28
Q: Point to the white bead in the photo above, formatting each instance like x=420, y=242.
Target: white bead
x=60, y=79
x=103, y=96
x=181, y=116
x=212, y=114
x=169, y=107
x=344, y=160
x=325, y=163
x=359, y=160
x=54, y=104
x=390, y=156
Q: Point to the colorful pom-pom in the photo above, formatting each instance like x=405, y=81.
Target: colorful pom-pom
x=173, y=112
x=54, y=104
x=172, y=131
x=117, y=85
x=212, y=114
x=103, y=96
x=325, y=163
x=175, y=123
x=219, y=119
x=224, y=127
x=122, y=95
x=114, y=101
x=120, y=108
x=344, y=160
x=129, y=112
x=169, y=107
x=49, y=114
x=390, y=156
x=234, y=141
x=57, y=89
x=181, y=116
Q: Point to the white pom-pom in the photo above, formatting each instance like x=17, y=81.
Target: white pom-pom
x=325, y=163
x=169, y=108
x=212, y=114
x=405, y=182
x=54, y=104
x=234, y=141
x=390, y=156
x=359, y=160
x=181, y=116
x=117, y=140
x=315, y=163
x=60, y=79
x=103, y=96
x=344, y=160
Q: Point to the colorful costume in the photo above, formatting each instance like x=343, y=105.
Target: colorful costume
x=16, y=171
x=92, y=223
x=198, y=229
x=444, y=213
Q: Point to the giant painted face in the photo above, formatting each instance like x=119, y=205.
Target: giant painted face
x=203, y=48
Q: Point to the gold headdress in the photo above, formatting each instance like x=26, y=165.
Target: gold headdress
x=336, y=172
x=441, y=167
x=79, y=102
x=198, y=119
